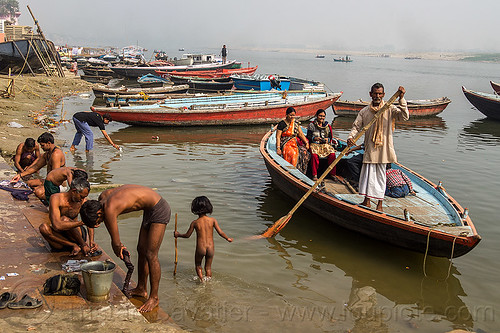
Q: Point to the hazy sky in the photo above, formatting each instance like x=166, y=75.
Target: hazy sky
x=356, y=25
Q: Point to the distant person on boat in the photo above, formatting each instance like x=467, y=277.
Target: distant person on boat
x=27, y=153
x=83, y=120
x=204, y=227
x=398, y=185
x=64, y=230
x=126, y=199
x=288, y=146
x=223, y=53
x=321, y=142
x=53, y=158
x=379, y=145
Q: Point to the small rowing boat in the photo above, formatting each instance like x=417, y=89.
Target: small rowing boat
x=416, y=108
x=430, y=221
x=487, y=104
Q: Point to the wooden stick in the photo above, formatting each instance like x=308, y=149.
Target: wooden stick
x=175, y=261
x=24, y=58
x=280, y=224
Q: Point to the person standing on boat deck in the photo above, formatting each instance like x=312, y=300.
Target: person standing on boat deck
x=223, y=53
x=379, y=145
x=320, y=136
x=287, y=145
x=83, y=121
x=131, y=198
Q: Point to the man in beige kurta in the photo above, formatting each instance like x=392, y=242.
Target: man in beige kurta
x=379, y=145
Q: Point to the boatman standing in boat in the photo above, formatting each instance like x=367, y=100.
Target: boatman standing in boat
x=379, y=145
x=83, y=120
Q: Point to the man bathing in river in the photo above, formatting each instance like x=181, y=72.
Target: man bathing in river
x=204, y=227
x=65, y=231
x=125, y=199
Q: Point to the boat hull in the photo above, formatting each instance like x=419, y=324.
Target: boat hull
x=369, y=222
x=135, y=72
x=258, y=85
x=495, y=86
x=432, y=108
x=209, y=74
x=14, y=53
x=487, y=104
x=210, y=117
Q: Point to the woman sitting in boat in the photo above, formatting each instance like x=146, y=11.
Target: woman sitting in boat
x=288, y=146
x=320, y=136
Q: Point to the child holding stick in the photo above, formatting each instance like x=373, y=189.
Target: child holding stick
x=204, y=227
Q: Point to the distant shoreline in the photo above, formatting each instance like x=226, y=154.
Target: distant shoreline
x=453, y=56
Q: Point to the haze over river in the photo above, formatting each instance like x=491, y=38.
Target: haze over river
x=315, y=276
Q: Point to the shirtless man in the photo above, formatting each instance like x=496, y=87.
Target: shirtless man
x=204, y=227
x=53, y=158
x=27, y=153
x=125, y=199
x=55, y=179
x=65, y=231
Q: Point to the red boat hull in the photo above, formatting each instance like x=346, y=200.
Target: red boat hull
x=209, y=74
x=241, y=116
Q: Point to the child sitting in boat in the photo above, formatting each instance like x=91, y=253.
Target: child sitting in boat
x=204, y=227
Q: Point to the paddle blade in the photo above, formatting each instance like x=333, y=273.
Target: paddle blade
x=276, y=227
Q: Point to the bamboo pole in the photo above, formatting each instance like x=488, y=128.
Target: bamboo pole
x=58, y=64
x=175, y=261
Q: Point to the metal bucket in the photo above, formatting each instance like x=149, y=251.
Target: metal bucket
x=98, y=276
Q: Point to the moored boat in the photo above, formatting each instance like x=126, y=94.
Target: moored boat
x=416, y=108
x=138, y=71
x=96, y=78
x=434, y=223
x=99, y=91
x=218, y=73
x=235, y=109
x=487, y=104
x=495, y=86
x=151, y=81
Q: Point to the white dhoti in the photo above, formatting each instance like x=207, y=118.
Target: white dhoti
x=372, y=180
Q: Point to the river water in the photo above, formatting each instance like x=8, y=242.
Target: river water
x=315, y=276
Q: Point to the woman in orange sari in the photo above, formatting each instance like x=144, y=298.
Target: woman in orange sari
x=287, y=134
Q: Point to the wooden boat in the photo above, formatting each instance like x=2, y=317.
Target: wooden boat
x=235, y=109
x=320, y=56
x=495, y=86
x=416, y=108
x=303, y=84
x=14, y=54
x=260, y=82
x=98, y=71
x=487, y=104
x=434, y=223
x=96, y=79
x=209, y=86
x=185, y=79
x=142, y=99
x=219, y=73
x=138, y=71
x=99, y=91
x=151, y=81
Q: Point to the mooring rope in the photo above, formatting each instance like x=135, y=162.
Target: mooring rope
x=427, y=250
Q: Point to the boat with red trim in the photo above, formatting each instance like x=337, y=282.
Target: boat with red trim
x=430, y=221
x=235, y=109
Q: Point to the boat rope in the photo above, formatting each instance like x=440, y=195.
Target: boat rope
x=451, y=255
x=426, y=251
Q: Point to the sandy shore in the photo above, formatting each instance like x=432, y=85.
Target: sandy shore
x=342, y=53
x=35, y=97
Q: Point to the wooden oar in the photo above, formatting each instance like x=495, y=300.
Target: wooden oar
x=175, y=261
x=280, y=224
